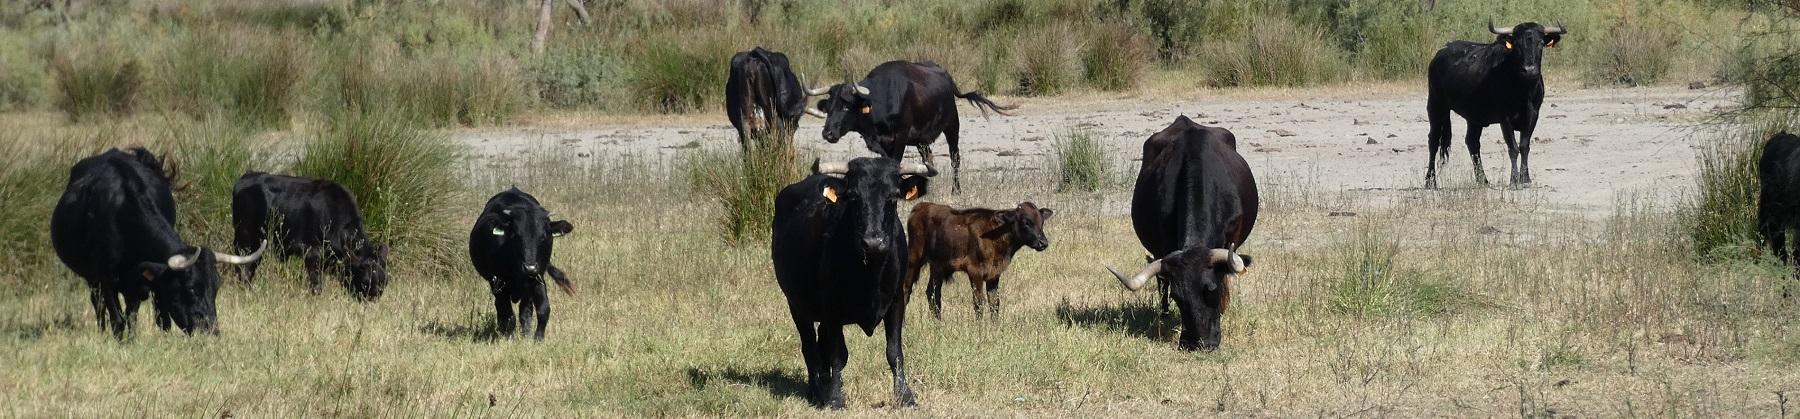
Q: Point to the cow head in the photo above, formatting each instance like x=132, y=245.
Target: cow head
x=187, y=285
x=521, y=231
x=367, y=266
x=1525, y=45
x=1025, y=224
x=868, y=190
x=1198, y=277
x=847, y=108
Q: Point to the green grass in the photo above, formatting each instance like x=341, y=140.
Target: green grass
x=254, y=78
x=1080, y=162
x=96, y=80
x=741, y=188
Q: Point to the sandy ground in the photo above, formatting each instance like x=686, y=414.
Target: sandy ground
x=1591, y=145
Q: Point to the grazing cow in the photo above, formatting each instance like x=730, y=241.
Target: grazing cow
x=764, y=99
x=318, y=221
x=510, y=247
x=1194, y=203
x=1496, y=83
x=115, y=227
x=979, y=242
x=1778, y=209
x=838, y=251
x=902, y=104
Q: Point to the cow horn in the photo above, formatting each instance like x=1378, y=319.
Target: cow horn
x=239, y=260
x=816, y=112
x=818, y=91
x=181, y=262
x=1557, y=30
x=917, y=169
x=833, y=168
x=1217, y=256
x=1136, y=282
x=1497, y=31
x=863, y=91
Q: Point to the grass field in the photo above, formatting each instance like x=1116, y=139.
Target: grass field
x=1462, y=302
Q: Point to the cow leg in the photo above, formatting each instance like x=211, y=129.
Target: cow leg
x=541, y=301
x=315, y=266
x=950, y=139
x=1512, y=153
x=993, y=295
x=110, y=302
x=815, y=362
x=925, y=155
x=934, y=290
x=896, y=355
x=977, y=294
x=1438, y=142
x=1524, y=173
x=1474, y=143
x=831, y=340
x=503, y=314
x=99, y=310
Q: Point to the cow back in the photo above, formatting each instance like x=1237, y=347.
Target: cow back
x=1193, y=189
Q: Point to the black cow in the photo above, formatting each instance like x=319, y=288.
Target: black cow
x=839, y=253
x=115, y=227
x=318, y=221
x=1778, y=209
x=1195, y=202
x=763, y=98
x=901, y=104
x=510, y=247
x=1497, y=83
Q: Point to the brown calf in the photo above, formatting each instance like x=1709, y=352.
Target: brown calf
x=978, y=242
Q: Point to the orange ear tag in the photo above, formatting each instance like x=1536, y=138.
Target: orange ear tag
x=1508, y=44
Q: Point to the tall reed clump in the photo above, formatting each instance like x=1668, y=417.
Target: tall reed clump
x=1638, y=51
x=402, y=178
x=30, y=183
x=436, y=88
x=249, y=77
x=1046, y=61
x=96, y=79
x=1720, y=217
x=1277, y=52
x=209, y=155
x=673, y=73
x=1081, y=162
x=743, y=186
x=22, y=75
x=1114, y=58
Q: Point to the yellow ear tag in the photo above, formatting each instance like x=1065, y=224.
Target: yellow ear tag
x=867, y=109
x=831, y=194
x=1508, y=44
x=912, y=193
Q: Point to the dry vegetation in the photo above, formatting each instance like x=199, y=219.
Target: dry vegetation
x=1462, y=302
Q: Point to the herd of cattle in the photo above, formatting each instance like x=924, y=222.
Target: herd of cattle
x=840, y=253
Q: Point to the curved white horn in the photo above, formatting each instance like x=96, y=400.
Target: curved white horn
x=1136, y=282
x=818, y=91
x=1558, y=29
x=816, y=112
x=1218, y=256
x=831, y=168
x=1498, y=31
x=239, y=260
x=917, y=169
x=859, y=89
x=181, y=262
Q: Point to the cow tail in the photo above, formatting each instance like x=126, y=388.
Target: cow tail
x=978, y=101
x=562, y=281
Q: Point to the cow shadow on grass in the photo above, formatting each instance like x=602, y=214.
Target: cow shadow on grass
x=1144, y=320
x=473, y=329
x=780, y=383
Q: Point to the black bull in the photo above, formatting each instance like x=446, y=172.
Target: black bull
x=115, y=227
x=1194, y=203
x=1495, y=83
x=764, y=99
x=902, y=104
x=839, y=254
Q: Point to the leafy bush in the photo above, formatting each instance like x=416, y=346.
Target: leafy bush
x=584, y=75
x=1081, y=162
x=95, y=80
x=1637, y=52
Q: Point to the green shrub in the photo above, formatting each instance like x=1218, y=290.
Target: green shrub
x=22, y=75
x=95, y=80
x=1046, y=61
x=439, y=89
x=402, y=178
x=1081, y=163
x=209, y=156
x=1114, y=58
x=578, y=76
x=1721, y=217
x=1278, y=52
x=1768, y=66
x=1636, y=52
x=678, y=74
x=252, y=78
x=1177, y=25
x=29, y=185
x=743, y=186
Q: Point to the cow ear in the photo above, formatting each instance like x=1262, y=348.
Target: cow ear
x=822, y=103
x=150, y=270
x=913, y=187
x=560, y=228
x=1046, y=213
